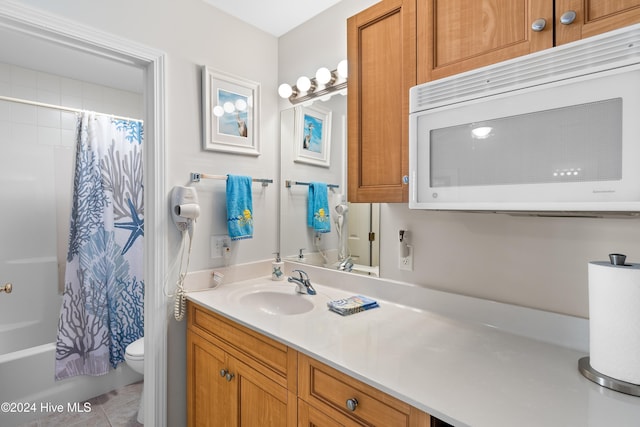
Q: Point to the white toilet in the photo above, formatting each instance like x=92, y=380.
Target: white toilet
x=134, y=356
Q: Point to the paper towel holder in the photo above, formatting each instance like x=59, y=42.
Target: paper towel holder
x=605, y=381
x=617, y=259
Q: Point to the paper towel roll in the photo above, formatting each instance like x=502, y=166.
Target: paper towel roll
x=614, y=320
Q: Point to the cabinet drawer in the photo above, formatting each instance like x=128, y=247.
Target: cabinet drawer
x=240, y=341
x=325, y=387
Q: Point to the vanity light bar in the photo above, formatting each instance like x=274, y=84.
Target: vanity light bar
x=324, y=84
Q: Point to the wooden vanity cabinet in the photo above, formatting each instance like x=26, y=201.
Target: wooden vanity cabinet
x=460, y=35
x=236, y=377
x=381, y=49
x=331, y=398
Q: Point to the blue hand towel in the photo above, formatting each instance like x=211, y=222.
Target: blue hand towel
x=318, y=211
x=239, y=207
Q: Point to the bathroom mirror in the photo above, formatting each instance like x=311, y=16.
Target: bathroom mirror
x=353, y=242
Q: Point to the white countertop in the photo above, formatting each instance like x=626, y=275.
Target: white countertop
x=464, y=373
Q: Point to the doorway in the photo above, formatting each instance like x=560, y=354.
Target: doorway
x=55, y=31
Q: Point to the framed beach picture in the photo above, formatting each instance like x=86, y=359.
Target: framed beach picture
x=312, y=136
x=231, y=108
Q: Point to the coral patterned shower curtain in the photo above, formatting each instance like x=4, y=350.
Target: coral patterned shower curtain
x=102, y=305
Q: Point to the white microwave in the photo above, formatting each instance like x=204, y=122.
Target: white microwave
x=554, y=131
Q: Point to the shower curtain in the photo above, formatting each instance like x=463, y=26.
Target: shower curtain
x=102, y=305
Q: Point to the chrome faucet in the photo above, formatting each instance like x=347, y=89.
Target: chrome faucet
x=303, y=284
x=346, y=264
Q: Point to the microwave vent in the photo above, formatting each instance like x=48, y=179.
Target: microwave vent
x=611, y=50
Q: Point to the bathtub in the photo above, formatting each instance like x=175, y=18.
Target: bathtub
x=28, y=325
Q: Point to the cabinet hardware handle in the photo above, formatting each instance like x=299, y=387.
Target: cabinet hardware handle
x=352, y=404
x=568, y=17
x=8, y=287
x=229, y=376
x=405, y=179
x=539, y=24
x=223, y=372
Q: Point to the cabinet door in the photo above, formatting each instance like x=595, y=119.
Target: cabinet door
x=460, y=35
x=308, y=416
x=382, y=67
x=208, y=398
x=260, y=401
x=594, y=17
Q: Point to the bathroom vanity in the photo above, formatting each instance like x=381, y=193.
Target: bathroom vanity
x=260, y=354
x=239, y=377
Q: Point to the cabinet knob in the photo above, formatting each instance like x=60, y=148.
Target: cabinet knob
x=568, y=17
x=229, y=376
x=223, y=372
x=539, y=24
x=352, y=404
x=405, y=179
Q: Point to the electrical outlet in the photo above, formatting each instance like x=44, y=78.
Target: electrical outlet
x=406, y=263
x=219, y=245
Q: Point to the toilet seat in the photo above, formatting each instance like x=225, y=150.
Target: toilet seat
x=135, y=350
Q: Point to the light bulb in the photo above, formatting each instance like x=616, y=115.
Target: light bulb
x=343, y=69
x=241, y=105
x=218, y=111
x=285, y=90
x=303, y=83
x=228, y=107
x=323, y=75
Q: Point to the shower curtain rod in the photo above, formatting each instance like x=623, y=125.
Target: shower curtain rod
x=60, y=107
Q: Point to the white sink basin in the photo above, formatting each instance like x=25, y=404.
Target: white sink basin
x=276, y=302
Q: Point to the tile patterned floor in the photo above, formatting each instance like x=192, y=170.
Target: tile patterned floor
x=118, y=408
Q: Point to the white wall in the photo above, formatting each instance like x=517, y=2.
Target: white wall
x=193, y=33
x=528, y=261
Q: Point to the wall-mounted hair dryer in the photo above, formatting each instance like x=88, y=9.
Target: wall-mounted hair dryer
x=184, y=208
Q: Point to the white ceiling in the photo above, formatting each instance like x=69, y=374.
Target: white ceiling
x=275, y=17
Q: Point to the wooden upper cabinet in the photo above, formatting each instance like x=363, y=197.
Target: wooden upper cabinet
x=381, y=49
x=459, y=35
x=594, y=17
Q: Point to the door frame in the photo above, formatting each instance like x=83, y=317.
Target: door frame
x=50, y=27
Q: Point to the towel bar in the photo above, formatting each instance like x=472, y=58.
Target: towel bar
x=197, y=176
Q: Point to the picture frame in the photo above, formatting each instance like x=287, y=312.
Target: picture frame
x=231, y=113
x=312, y=135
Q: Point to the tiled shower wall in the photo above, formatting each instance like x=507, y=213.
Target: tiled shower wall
x=36, y=154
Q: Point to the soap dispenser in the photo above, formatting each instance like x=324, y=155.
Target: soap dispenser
x=277, y=268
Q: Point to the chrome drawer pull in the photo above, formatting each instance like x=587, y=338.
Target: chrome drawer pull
x=568, y=17
x=539, y=24
x=8, y=287
x=352, y=404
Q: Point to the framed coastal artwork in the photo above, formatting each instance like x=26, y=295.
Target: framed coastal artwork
x=312, y=136
x=231, y=108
